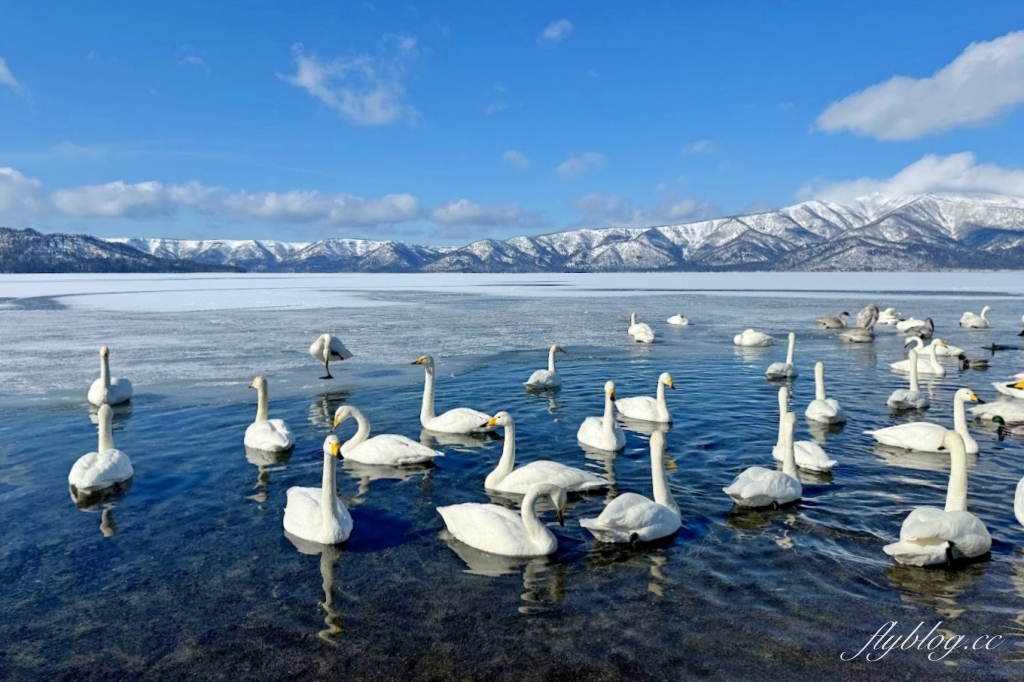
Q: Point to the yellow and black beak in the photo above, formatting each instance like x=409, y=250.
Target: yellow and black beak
x=336, y=422
x=492, y=421
x=975, y=398
x=417, y=361
x=1018, y=385
x=943, y=344
x=671, y=384
x=560, y=515
x=611, y=394
x=336, y=449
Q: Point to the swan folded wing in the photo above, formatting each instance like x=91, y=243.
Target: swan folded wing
x=933, y=526
x=269, y=435
x=761, y=487
x=630, y=514
x=303, y=518
x=920, y=436
x=98, y=470
x=808, y=455
x=640, y=407
x=823, y=410
x=459, y=420
x=545, y=471
x=780, y=369
x=542, y=377
x=1011, y=412
x=338, y=350
x=391, y=449
x=489, y=528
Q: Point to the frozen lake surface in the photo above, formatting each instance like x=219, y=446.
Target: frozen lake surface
x=189, y=573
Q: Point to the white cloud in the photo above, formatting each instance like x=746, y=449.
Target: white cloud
x=932, y=173
x=555, y=32
x=314, y=207
x=612, y=210
x=116, y=200
x=193, y=60
x=465, y=212
x=701, y=147
x=76, y=150
x=516, y=159
x=982, y=84
x=575, y=166
x=7, y=78
x=19, y=196
x=363, y=89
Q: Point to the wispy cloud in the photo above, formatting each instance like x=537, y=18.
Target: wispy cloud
x=7, y=79
x=613, y=210
x=465, y=212
x=188, y=56
x=700, y=147
x=364, y=89
x=575, y=166
x=497, y=104
x=73, y=150
x=981, y=85
x=516, y=159
x=555, y=32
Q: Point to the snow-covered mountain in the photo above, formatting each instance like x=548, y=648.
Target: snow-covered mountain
x=924, y=232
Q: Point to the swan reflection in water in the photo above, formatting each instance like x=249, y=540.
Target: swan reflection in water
x=459, y=442
x=643, y=427
x=329, y=555
x=321, y=411
x=819, y=430
x=102, y=501
x=543, y=577
x=935, y=587
x=653, y=557
x=752, y=354
x=265, y=462
x=920, y=461
x=606, y=460
x=368, y=473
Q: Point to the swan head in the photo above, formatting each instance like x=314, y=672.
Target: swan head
x=666, y=379
x=609, y=389
x=258, y=382
x=844, y=314
x=343, y=413
x=104, y=352
x=558, y=349
x=1019, y=385
x=425, y=360
x=501, y=419
x=967, y=395
x=332, y=446
x=557, y=496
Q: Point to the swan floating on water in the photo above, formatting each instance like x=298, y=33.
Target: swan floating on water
x=913, y=398
x=1010, y=411
x=457, y=420
x=679, y=320
x=645, y=408
x=317, y=514
x=972, y=321
x=889, y=316
x=760, y=487
x=1014, y=389
x=507, y=479
x=634, y=518
x=107, y=390
x=822, y=409
x=105, y=468
x=264, y=434
x=809, y=455
x=602, y=433
x=640, y=331
x=385, y=449
x=752, y=338
x=928, y=365
x=922, y=331
x=498, y=530
x=327, y=348
x=831, y=321
x=784, y=370
x=868, y=316
x=930, y=535
x=928, y=437
x=546, y=378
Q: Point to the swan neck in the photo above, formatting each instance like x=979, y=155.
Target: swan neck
x=261, y=403
x=960, y=419
x=362, y=433
x=913, y=370
x=106, y=432
x=956, y=493
x=551, y=360
x=609, y=414
x=105, y=370
x=427, y=411
x=819, y=382
x=788, y=454
x=534, y=528
x=792, y=347
x=328, y=490
x=662, y=493
x=662, y=405
x=508, y=458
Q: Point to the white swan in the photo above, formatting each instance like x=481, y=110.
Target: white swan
x=822, y=409
x=108, y=391
x=760, y=487
x=385, y=449
x=104, y=468
x=868, y=316
x=1014, y=389
x=267, y=435
x=546, y=378
x=1011, y=411
x=784, y=370
x=928, y=437
x=809, y=455
x=972, y=321
x=316, y=514
x=640, y=331
x=602, y=433
x=679, y=320
x=498, y=530
x=924, y=331
x=507, y=479
x=929, y=535
x=889, y=316
x=754, y=338
x=913, y=398
x=646, y=408
x=910, y=323
x=458, y=420
x=831, y=321
x=942, y=349
x=928, y=364
x=634, y=518
x=327, y=348
x=1018, y=502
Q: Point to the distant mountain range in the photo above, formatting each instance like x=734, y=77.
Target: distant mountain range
x=923, y=232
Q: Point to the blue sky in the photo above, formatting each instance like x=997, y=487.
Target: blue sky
x=449, y=122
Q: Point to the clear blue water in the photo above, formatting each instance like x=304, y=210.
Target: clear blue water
x=188, y=574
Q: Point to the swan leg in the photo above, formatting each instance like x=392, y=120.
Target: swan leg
x=328, y=370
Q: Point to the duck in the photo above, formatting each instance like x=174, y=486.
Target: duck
x=831, y=321
x=546, y=378
x=889, y=316
x=106, y=468
x=384, y=449
x=633, y=518
x=928, y=437
x=913, y=398
x=784, y=370
x=327, y=348
x=967, y=363
x=264, y=434
x=498, y=530
x=679, y=320
x=602, y=433
x=1014, y=389
x=809, y=455
x=822, y=409
x=930, y=535
x=928, y=364
x=1002, y=430
x=760, y=487
x=752, y=338
x=107, y=390
x=507, y=479
x=972, y=321
x=640, y=331
x=645, y=408
x=458, y=420
x=317, y=514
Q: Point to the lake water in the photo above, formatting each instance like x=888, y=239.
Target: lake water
x=188, y=574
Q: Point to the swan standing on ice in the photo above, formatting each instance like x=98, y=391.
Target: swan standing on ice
x=646, y=408
x=547, y=378
x=972, y=321
x=327, y=348
x=640, y=331
x=912, y=398
x=928, y=437
x=831, y=321
x=760, y=487
x=930, y=535
x=507, y=479
x=317, y=514
x=264, y=434
x=104, y=468
x=108, y=391
x=385, y=449
x=458, y=420
x=928, y=365
x=784, y=370
x=822, y=409
x=809, y=455
x=679, y=320
x=634, y=518
x=752, y=338
x=498, y=530
x=603, y=433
